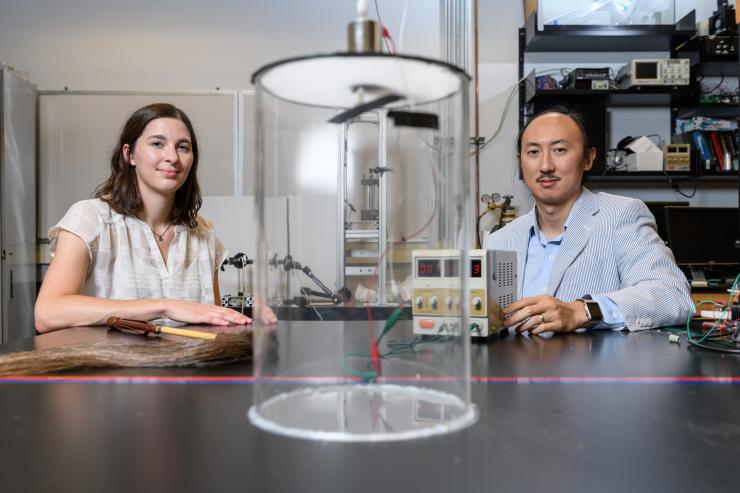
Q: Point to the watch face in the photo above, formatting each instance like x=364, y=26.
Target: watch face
x=594, y=312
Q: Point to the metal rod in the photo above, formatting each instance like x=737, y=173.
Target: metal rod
x=477, y=122
x=382, y=208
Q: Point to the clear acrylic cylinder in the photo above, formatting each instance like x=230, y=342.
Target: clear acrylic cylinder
x=361, y=171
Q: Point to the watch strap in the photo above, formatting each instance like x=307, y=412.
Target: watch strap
x=593, y=320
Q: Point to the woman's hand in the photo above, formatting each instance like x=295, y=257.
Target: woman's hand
x=538, y=314
x=264, y=313
x=203, y=313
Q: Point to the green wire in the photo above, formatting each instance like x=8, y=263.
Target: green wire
x=717, y=322
x=370, y=375
x=396, y=347
x=389, y=323
x=714, y=326
x=366, y=376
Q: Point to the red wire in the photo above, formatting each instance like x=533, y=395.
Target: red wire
x=387, y=35
x=374, y=350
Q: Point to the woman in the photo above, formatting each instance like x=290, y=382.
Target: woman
x=139, y=249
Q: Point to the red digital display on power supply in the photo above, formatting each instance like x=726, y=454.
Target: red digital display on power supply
x=476, y=268
x=428, y=268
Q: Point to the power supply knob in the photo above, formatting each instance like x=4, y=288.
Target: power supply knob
x=419, y=301
x=433, y=302
x=449, y=302
x=477, y=303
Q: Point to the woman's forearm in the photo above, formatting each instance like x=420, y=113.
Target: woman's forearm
x=78, y=310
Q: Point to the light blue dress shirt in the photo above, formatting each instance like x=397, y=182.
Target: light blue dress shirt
x=541, y=255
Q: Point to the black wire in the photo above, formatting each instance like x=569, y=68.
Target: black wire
x=514, y=90
x=660, y=139
x=597, y=179
x=721, y=80
x=714, y=348
x=677, y=48
x=382, y=27
x=477, y=231
x=675, y=187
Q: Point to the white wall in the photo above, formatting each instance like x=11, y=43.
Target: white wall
x=170, y=45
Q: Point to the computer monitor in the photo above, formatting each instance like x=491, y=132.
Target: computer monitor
x=658, y=211
x=702, y=235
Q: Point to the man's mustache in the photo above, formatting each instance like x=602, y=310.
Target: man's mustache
x=548, y=178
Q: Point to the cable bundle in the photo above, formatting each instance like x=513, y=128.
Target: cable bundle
x=722, y=334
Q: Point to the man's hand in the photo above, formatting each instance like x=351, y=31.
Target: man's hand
x=538, y=314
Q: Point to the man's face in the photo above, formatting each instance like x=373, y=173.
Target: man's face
x=552, y=159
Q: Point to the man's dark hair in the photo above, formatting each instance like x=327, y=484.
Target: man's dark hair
x=121, y=191
x=574, y=114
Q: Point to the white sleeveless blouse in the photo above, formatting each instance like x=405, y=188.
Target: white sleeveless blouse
x=125, y=262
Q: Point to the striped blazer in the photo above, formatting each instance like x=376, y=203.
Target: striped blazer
x=611, y=247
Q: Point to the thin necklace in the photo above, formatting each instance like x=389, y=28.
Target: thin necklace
x=160, y=236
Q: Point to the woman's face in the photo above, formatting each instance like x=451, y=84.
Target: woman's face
x=162, y=156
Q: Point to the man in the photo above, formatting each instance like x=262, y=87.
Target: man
x=584, y=260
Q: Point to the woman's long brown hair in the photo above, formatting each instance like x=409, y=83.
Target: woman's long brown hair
x=121, y=190
x=151, y=353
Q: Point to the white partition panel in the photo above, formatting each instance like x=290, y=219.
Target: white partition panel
x=78, y=132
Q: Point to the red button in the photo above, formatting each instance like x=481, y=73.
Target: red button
x=425, y=323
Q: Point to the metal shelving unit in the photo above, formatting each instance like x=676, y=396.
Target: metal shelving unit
x=682, y=100
x=636, y=96
x=369, y=235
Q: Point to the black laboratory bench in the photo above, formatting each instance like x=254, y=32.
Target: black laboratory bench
x=605, y=411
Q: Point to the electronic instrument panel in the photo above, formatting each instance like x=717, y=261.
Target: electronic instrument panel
x=436, y=298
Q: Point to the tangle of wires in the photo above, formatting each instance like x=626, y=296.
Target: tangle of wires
x=395, y=347
x=720, y=334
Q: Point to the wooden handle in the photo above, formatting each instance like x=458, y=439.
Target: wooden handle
x=187, y=333
x=144, y=327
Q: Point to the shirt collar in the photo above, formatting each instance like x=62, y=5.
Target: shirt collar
x=534, y=229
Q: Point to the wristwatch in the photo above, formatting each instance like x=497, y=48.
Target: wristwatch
x=593, y=312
